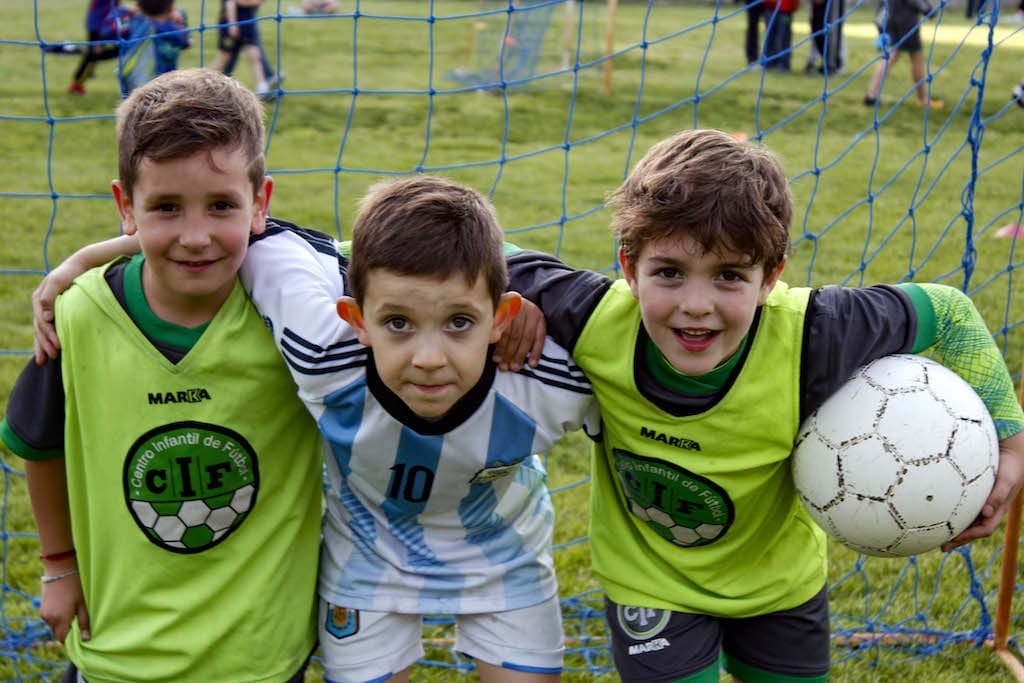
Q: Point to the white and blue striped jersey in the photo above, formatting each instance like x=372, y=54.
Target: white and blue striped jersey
x=450, y=516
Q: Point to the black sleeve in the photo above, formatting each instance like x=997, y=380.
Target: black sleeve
x=35, y=408
x=846, y=328
x=565, y=295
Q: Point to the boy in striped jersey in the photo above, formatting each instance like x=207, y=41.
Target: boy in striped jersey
x=436, y=502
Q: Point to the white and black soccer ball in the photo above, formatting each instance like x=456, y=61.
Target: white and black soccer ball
x=899, y=460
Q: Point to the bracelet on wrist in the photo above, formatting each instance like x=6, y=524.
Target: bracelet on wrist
x=63, y=555
x=57, y=577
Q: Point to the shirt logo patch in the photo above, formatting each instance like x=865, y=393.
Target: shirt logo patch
x=341, y=622
x=680, y=506
x=643, y=623
x=189, y=485
x=498, y=470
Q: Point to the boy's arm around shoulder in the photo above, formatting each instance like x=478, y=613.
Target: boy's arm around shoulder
x=964, y=345
x=295, y=278
x=566, y=296
x=45, y=342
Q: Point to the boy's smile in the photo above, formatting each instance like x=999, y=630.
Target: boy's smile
x=429, y=336
x=193, y=217
x=696, y=306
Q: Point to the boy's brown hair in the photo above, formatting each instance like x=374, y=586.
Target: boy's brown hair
x=427, y=226
x=709, y=186
x=186, y=111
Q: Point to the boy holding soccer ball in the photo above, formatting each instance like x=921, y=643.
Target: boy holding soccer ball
x=174, y=476
x=698, y=537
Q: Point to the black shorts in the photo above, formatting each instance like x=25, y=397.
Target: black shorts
x=905, y=38
x=658, y=646
x=248, y=34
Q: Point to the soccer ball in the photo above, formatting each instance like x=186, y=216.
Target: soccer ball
x=899, y=460
x=193, y=525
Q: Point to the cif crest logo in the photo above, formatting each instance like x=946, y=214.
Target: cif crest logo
x=188, y=485
x=641, y=623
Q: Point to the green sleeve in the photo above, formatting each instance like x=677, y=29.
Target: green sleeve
x=925, y=316
x=17, y=446
x=949, y=323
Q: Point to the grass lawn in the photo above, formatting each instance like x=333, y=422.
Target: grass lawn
x=882, y=194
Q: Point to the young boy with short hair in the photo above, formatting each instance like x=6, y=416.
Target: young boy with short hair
x=436, y=501
x=174, y=476
x=701, y=402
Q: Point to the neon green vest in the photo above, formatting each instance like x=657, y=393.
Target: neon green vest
x=195, y=497
x=699, y=514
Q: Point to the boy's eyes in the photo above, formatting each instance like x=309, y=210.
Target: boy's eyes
x=218, y=206
x=725, y=275
x=460, y=323
x=732, y=276
x=396, y=324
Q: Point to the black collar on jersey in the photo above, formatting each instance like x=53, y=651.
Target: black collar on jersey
x=459, y=413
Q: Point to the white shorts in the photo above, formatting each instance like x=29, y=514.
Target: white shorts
x=358, y=646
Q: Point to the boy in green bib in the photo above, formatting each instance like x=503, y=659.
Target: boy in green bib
x=698, y=537
x=174, y=474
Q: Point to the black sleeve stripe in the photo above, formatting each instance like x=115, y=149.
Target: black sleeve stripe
x=324, y=369
x=310, y=359
x=561, y=368
x=317, y=349
x=583, y=389
x=321, y=242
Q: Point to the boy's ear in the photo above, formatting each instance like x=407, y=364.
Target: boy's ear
x=124, y=207
x=628, y=272
x=350, y=312
x=261, y=206
x=770, y=280
x=508, y=308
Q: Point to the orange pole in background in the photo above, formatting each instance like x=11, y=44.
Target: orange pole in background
x=1008, y=581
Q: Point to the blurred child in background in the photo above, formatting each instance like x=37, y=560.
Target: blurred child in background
x=151, y=40
x=779, y=33
x=240, y=33
x=897, y=22
x=100, y=26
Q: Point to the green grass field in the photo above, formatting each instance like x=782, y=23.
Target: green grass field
x=880, y=196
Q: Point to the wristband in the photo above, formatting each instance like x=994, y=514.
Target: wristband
x=57, y=577
x=57, y=556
